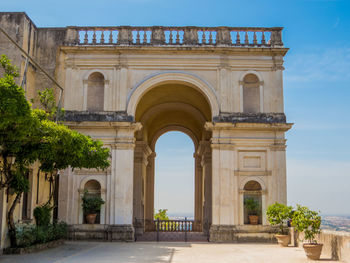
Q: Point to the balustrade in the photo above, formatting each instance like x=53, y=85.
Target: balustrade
x=174, y=225
x=188, y=36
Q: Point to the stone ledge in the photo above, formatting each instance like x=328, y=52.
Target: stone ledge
x=238, y=117
x=33, y=248
x=101, y=232
x=242, y=233
x=106, y=116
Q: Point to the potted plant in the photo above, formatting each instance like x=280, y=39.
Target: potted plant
x=252, y=207
x=279, y=214
x=91, y=206
x=309, y=222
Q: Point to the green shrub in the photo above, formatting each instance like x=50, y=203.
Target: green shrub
x=42, y=215
x=252, y=206
x=60, y=230
x=91, y=204
x=307, y=221
x=28, y=235
x=279, y=214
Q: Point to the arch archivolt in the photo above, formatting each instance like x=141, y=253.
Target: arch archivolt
x=89, y=72
x=97, y=178
x=173, y=106
x=174, y=128
x=252, y=178
x=245, y=73
x=186, y=78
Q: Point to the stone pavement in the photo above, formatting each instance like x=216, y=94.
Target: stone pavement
x=176, y=252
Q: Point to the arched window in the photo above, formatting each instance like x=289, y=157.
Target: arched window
x=95, y=93
x=93, y=188
x=251, y=94
x=252, y=193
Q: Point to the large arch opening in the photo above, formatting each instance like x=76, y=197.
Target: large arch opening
x=164, y=108
x=174, y=175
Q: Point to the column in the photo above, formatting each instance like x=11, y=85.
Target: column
x=149, y=193
x=198, y=202
x=207, y=186
x=121, y=183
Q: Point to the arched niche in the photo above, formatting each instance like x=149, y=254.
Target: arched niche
x=252, y=190
x=95, y=185
x=95, y=92
x=251, y=94
x=93, y=189
x=251, y=90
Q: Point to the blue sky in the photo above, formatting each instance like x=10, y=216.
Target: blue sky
x=316, y=83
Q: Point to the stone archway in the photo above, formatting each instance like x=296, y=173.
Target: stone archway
x=171, y=106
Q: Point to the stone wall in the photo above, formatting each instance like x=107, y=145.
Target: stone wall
x=336, y=245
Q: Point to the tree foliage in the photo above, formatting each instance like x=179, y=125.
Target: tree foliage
x=162, y=214
x=307, y=221
x=278, y=214
x=30, y=135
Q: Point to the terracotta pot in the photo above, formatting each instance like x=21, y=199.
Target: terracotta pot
x=253, y=219
x=283, y=240
x=91, y=218
x=313, y=251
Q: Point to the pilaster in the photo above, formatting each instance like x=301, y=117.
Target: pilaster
x=142, y=151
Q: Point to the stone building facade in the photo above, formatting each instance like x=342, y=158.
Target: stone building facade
x=127, y=86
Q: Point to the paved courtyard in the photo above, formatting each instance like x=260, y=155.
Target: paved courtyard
x=105, y=252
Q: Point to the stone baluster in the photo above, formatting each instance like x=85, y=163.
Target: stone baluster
x=158, y=36
x=263, y=40
x=125, y=36
x=94, y=37
x=204, y=41
x=138, y=37
x=210, y=38
x=111, y=37
x=144, y=37
x=178, y=37
x=102, y=40
x=238, y=39
x=255, y=40
x=86, y=37
x=223, y=36
x=170, y=37
x=246, y=38
x=190, y=36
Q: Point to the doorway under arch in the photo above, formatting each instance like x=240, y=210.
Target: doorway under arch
x=163, y=108
x=174, y=175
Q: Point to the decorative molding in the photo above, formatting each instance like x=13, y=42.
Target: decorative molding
x=252, y=173
x=262, y=192
x=84, y=171
x=239, y=117
x=106, y=116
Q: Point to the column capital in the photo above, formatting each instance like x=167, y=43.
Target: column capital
x=123, y=143
x=142, y=151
